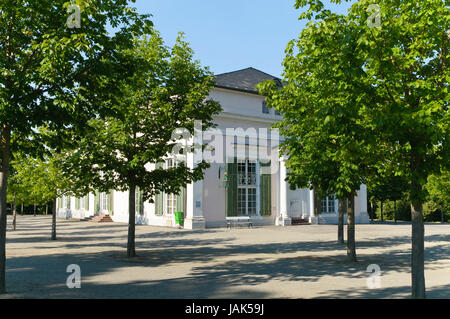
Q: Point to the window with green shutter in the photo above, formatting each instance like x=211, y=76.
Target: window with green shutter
x=232, y=189
x=265, y=192
x=86, y=202
x=159, y=202
x=180, y=202
x=97, y=202
x=111, y=202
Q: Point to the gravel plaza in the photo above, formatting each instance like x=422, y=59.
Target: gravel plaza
x=263, y=262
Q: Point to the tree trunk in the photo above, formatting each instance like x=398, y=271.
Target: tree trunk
x=342, y=208
x=395, y=211
x=34, y=210
x=21, y=209
x=351, y=246
x=442, y=216
x=14, y=213
x=382, y=211
x=46, y=210
x=418, y=229
x=316, y=204
x=418, y=247
x=372, y=213
x=54, y=220
x=4, y=171
x=131, y=246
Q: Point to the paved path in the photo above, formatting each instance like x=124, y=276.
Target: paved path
x=267, y=262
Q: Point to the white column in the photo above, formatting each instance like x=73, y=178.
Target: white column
x=194, y=194
x=312, y=215
x=311, y=203
x=286, y=220
x=362, y=216
x=194, y=206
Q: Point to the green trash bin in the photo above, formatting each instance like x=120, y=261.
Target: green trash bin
x=179, y=219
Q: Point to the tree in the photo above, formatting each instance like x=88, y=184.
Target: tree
x=329, y=149
x=16, y=191
x=38, y=181
x=16, y=194
x=56, y=184
x=400, y=68
x=53, y=73
x=438, y=187
x=167, y=91
x=383, y=188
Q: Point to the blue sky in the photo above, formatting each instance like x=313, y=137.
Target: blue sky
x=229, y=35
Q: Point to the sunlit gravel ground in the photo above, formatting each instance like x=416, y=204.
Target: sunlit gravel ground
x=266, y=262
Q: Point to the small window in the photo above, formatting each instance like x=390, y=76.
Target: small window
x=104, y=202
x=66, y=202
x=171, y=203
x=171, y=199
x=328, y=205
x=265, y=109
x=277, y=112
x=139, y=202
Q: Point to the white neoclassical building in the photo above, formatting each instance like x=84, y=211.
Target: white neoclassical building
x=246, y=177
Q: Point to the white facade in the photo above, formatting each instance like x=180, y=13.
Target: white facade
x=206, y=200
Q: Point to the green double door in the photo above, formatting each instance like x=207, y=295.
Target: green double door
x=168, y=204
x=244, y=183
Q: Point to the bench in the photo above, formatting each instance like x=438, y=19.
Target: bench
x=239, y=221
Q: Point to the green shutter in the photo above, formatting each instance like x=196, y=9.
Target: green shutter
x=265, y=192
x=159, y=202
x=68, y=202
x=97, y=202
x=232, y=189
x=180, y=201
x=60, y=202
x=111, y=202
x=86, y=202
x=77, y=203
x=141, y=202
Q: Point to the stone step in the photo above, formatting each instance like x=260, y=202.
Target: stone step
x=102, y=218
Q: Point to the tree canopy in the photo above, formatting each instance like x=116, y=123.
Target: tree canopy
x=167, y=91
x=53, y=74
x=379, y=94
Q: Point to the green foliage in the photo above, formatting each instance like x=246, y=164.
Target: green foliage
x=382, y=188
x=361, y=101
x=166, y=91
x=54, y=76
x=36, y=181
x=438, y=187
x=17, y=189
x=51, y=73
x=328, y=144
x=403, y=210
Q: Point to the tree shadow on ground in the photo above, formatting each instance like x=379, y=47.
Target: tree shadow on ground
x=208, y=280
x=219, y=267
x=440, y=292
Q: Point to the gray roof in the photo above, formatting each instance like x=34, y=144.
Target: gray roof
x=244, y=80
